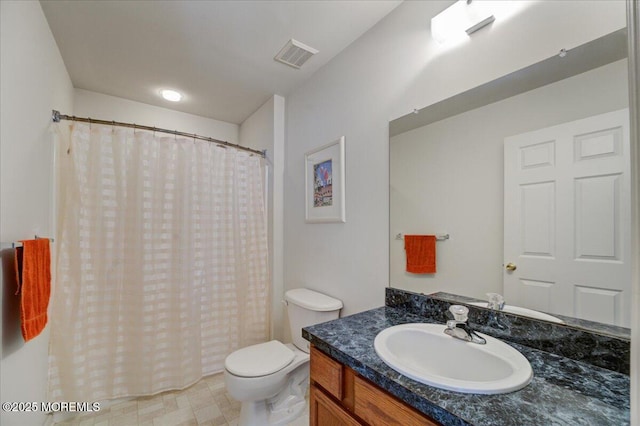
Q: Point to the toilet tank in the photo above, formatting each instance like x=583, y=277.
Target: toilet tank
x=307, y=307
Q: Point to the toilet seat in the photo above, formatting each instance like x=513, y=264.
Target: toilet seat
x=259, y=360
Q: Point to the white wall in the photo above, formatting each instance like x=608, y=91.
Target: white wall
x=448, y=176
x=34, y=81
x=389, y=71
x=264, y=130
x=105, y=107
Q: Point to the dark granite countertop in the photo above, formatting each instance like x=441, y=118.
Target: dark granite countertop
x=563, y=391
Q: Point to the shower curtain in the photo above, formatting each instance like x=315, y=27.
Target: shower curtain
x=161, y=266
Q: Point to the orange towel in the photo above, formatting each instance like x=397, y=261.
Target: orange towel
x=33, y=272
x=421, y=253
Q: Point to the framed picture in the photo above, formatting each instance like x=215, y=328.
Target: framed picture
x=325, y=183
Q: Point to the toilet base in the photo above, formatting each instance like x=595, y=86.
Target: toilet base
x=283, y=408
x=258, y=414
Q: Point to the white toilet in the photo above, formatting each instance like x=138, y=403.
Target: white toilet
x=270, y=379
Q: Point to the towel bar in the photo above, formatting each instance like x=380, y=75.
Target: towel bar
x=439, y=237
x=18, y=243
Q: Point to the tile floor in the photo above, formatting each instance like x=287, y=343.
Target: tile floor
x=205, y=403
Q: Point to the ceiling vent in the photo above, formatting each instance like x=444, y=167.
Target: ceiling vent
x=295, y=54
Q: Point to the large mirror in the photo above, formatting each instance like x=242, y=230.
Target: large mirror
x=525, y=182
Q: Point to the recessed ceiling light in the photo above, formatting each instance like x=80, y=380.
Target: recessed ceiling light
x=171, y=95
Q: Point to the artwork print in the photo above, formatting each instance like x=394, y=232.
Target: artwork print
x=322, y=185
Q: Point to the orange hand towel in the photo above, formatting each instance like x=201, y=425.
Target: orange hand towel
x=33, y=272
x=421, y=253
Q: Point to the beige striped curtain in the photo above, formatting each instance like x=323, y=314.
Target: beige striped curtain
x=161, y=267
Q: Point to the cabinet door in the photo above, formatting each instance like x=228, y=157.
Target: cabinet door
x=325, y=412
x=327, y=373
x=377, y=408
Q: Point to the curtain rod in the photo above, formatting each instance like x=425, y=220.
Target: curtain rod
x=56, y=116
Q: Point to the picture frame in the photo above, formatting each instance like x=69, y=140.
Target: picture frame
x=325, y=183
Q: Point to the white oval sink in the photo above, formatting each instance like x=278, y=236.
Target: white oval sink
x=523, y=311
x=424, y=353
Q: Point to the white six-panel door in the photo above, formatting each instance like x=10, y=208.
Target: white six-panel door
x=567, y=219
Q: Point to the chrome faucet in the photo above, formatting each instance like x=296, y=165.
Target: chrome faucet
x=459, y=328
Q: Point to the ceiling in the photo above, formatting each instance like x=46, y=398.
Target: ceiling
x=219, y=54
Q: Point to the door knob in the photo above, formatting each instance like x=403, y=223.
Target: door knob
x=510, y=266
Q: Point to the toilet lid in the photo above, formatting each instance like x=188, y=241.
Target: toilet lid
x=259, y=360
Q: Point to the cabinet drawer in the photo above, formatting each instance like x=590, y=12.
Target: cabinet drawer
x=376, y=407
x=325, y=412
x=326, y=372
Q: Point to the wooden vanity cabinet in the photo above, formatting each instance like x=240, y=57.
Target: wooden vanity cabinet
x=339, y=396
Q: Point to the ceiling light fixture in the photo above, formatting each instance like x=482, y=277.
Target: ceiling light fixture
x=171, y=95
x=464, y=16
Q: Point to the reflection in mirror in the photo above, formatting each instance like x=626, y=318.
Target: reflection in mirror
x=592, y=326
x=556, y=206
